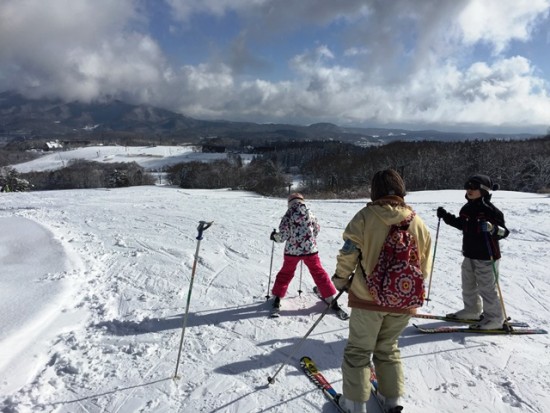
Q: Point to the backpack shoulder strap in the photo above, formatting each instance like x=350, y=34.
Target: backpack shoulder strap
x=404, y=225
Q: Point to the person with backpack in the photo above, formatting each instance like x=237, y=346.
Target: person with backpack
x=386, y=236
x=482, y=225
x=299, y=229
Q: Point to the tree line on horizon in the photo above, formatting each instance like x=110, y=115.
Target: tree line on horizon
x=327, y=169
x=335, y=169
x=78, y=174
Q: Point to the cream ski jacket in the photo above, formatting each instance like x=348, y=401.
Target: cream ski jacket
x=364, y=237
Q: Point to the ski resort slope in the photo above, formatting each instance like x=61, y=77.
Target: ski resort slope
x=95, y=285
x=151, y=158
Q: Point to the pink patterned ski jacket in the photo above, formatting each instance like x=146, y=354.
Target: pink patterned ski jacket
x=299, y=228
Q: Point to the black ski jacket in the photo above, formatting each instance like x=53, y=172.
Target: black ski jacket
x=474, y=241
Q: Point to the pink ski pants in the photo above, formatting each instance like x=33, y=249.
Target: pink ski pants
x=313, y=263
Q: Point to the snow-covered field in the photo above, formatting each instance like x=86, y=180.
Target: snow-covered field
x=95, y=283
x=150, y=157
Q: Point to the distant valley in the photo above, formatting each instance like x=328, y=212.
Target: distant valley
x=23, y=119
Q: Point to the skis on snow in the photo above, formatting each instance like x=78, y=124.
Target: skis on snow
x=377, y=396
x=313, y=373
x=275, y=312
x=511, y=327
x=340, y=313
x=454, y=329
x=463, y=321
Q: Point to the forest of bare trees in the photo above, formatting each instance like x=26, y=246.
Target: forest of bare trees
x=260, y=175
x=80, y=174
x=338, y=168
x=326, y=168
x=335, y=169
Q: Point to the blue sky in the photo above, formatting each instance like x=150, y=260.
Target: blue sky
x=473, y=65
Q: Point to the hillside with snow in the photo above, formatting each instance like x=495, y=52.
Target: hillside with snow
x=95, y=284
x=152, y=158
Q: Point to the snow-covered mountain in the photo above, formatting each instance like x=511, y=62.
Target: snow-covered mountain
x=108, y=119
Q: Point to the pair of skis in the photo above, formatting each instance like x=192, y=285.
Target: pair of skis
x=510, y=327
x=275, y=312
x=312, y=372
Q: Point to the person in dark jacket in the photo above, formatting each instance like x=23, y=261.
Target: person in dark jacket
x=482, y=225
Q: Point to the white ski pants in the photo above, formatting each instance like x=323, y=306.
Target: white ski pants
x=479, y=288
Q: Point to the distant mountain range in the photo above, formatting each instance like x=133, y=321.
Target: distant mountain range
x=54, y=119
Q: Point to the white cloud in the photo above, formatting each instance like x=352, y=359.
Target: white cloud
x=505, y=93
x=385, y=62
x=356, y=51
x=498, y=22
x=76, y=49
x=273, y=14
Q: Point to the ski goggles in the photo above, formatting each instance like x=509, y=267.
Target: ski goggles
x=472, y=185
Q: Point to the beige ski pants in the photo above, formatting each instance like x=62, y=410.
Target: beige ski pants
x=373, y=336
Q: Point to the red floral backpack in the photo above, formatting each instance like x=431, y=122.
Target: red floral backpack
x=397, y=280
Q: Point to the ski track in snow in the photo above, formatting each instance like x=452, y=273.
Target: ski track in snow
x=113, y=342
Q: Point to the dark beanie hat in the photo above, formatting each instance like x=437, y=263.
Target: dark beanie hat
x=481, y=182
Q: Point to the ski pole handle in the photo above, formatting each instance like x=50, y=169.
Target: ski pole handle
x=203, y=226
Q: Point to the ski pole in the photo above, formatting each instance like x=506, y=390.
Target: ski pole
x=495, y=272
x=433, y=259
x=301, y=270
x=270, y=268
x=203, y=226
x=271, y=379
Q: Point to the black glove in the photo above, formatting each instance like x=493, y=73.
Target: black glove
x=272, y=236
x=441, y=213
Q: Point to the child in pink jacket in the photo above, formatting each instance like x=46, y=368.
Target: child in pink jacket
x=299, y=228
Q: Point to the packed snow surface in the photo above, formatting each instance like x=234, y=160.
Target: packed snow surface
x=95, y=284
x=150, y=157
